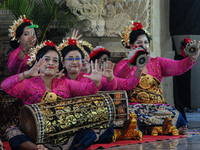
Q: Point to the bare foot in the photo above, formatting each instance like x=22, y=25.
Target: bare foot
x=182, y=130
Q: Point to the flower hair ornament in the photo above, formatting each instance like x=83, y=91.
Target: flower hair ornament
x=129, y=28
x=188, y=48
x=33, y=51
x=71, y=41
x=16, y=24
x=99, y=50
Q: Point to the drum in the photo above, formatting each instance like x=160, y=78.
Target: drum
x=9, y=111
x=56, y=121
x=120, y=99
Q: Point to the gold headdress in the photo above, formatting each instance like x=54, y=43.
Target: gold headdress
x=16, y=24
x=129, y=28
x=85, y=43
x=70, y=41
x=33, y=51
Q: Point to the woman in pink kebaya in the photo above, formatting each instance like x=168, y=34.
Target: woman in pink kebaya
x=22, y=38
x=31, y=85
x=146, y=98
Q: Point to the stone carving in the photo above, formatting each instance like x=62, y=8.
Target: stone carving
x=107, y=18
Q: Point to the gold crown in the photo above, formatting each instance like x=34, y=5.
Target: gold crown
x=33, y=51
x=16, y=24
x=133, y=26
x=70, y=41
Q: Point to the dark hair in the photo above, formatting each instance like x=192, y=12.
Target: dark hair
x=44, y=50
x=19, y=31
x=70, y=48
x=98, y=56
x=134, y=35
x=87, y=49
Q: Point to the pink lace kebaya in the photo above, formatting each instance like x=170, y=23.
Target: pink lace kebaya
x=16, y=64
x=115, y=84
x=158, y=67
x=32, y=90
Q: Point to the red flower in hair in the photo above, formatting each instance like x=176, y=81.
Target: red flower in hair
x=27, y=20
x=183, y=46
x=97, y=50
x=49, y=43
x=72, y=41
x=187, y=40
x=137, y=25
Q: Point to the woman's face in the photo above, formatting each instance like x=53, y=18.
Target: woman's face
x=86, y=63
x=73, y=62
x=51, y=63
x=102, y=59
x=143, y=41
x=27, y=33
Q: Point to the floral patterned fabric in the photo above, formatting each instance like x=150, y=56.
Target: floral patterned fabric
x=32, y=90
x=147, y=91
x=16, y=64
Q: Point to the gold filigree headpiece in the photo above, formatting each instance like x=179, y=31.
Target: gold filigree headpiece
x=129, y=28
x=85, y=43
x=33, y=51
x=16, y=24
x=70, y=41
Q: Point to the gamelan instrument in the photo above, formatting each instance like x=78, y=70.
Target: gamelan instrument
x=55, y=120
x=120, y=99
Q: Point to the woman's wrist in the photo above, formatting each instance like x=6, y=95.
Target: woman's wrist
x=110, y=78
x=138, y=73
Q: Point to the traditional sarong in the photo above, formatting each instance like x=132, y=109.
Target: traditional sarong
x=147, y=102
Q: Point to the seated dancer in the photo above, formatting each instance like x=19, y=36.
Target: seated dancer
x=146, y=98
x=22, y=38
x=31, y=85
x=73, y=53
x=102, y=56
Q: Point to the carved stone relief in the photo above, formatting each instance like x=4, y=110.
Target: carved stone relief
x=107, y=18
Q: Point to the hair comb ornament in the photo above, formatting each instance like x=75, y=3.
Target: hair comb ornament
x=129, y=28
x=16, y=24
x=188, y=48
x=70, y=41
x=33, y=51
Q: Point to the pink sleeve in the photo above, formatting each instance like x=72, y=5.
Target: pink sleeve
x=14, y=62
x=127, y=84
x=13, y=87
x=81, y=88
x=172, y=67
x=108, y=86
x=122, y=69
